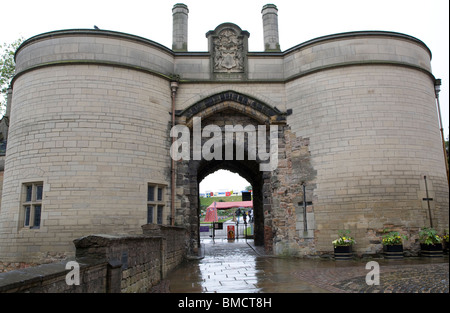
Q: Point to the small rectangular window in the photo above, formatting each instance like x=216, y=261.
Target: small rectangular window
x=149, y=214
x=39, y=192
x=37, y=216
x=160, y=194
x=32, y=205
x=155, y=203
x=27, y=216
x=151, y=193
x=29, y=191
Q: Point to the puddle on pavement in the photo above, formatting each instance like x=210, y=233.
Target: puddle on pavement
x=235, y=267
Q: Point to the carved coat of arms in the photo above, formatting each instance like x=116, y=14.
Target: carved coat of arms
x=228, y=52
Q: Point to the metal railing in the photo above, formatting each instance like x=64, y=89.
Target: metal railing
x=239, y=230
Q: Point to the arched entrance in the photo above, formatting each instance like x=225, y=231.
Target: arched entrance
x=220, y=110
x=250, y=171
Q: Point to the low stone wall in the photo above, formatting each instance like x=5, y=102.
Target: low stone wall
x=107, y=263
x=51, y=278
x=175, y=244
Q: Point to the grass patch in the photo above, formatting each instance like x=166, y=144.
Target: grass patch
x=207, y=201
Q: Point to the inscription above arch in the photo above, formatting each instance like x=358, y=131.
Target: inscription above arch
x=236, y=101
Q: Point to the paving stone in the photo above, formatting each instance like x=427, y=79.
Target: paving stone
x=237, y=267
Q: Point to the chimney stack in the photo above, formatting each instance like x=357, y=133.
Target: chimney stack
x=270, y=26
x=180, y=27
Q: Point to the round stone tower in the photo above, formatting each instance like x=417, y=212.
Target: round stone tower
x=88, y=139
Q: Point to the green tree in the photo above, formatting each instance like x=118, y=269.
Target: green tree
x=7, y=68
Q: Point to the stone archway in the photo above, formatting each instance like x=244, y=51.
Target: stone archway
x=250, y=171
x=227, y=108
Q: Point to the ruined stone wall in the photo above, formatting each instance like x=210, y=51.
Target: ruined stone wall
x=294, y=170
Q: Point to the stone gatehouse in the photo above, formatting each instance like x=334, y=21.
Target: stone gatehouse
x=91, y=111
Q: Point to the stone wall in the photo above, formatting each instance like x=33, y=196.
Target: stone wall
x=95, y=152
x=51, y=278
x=174, y=244
x=294, y=170
x=373, y=135
x=137, y=260
x=108, y=263
x=91, y=115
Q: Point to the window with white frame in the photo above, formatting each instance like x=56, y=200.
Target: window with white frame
x=155, y=203
x=31, y=204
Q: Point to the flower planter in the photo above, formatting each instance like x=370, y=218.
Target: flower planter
x=343, y=252
x=393, y=252
x=431, y=251
x=446, y=244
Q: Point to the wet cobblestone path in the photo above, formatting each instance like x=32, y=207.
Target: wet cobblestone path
x=236, y=267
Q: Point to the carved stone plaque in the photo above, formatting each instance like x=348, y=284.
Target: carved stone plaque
x=228, y=52
x=228, y=45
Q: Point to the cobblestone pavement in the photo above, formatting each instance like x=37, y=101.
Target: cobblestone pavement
x=238, y=268
x=418, y=278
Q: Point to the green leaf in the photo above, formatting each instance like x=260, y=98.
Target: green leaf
x=7, y=67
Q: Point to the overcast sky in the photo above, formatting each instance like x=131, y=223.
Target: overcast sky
x=299, y=21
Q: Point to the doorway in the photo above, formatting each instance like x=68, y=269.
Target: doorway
x=226, y=207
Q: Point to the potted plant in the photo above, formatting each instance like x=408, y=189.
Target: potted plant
x=343, y=246
x=430, y=243
x=393, y=245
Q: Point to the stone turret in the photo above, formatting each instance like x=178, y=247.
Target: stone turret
x=180, y=27
x=270, y=24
